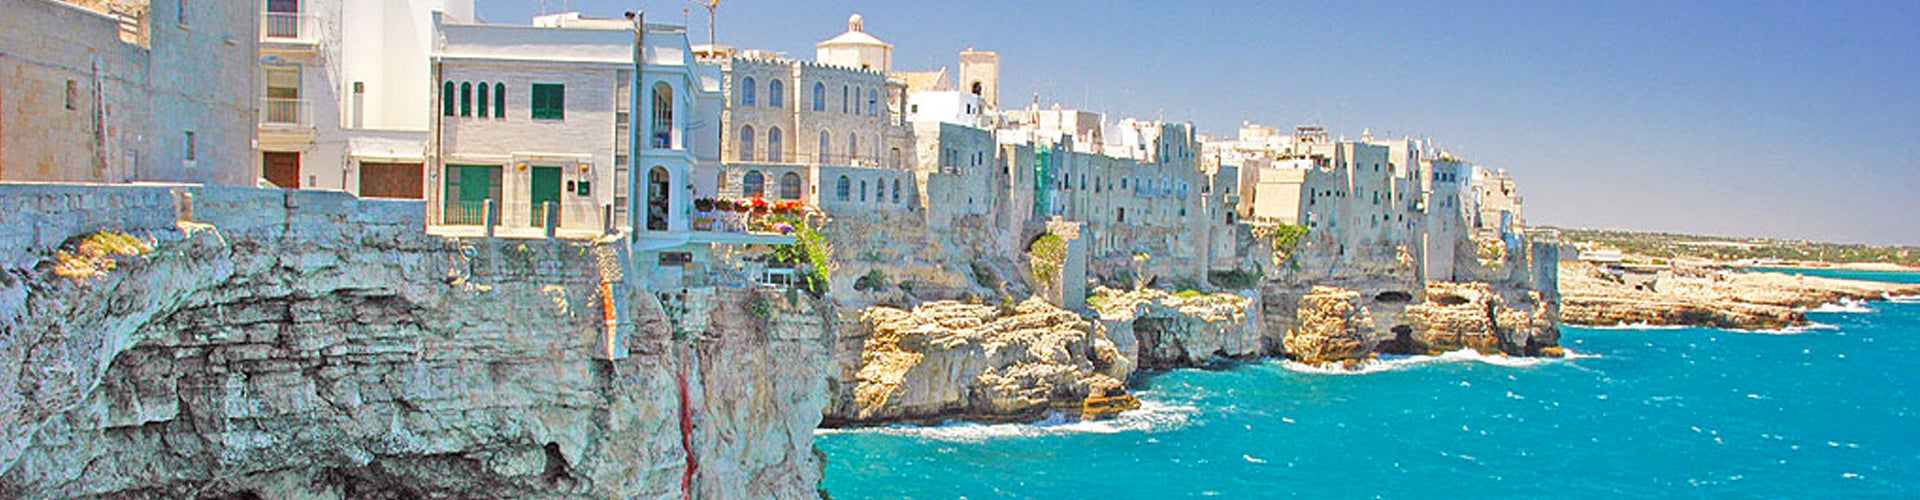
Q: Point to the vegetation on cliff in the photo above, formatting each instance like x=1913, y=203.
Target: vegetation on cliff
x=812, y=249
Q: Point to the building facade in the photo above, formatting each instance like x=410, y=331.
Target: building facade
x=127, y=90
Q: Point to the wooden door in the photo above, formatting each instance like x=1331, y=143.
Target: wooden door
x=281, y=169
x=391, y=180
x=545, y=195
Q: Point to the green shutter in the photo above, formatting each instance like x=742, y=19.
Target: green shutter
x=549, y=101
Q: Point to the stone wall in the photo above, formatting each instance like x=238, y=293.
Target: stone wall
x=312, y=345
x=135, y=97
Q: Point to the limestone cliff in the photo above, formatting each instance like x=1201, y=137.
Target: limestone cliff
x=1331, y=327
x=308, y=345
x=1698, y=296
x=952, y=360
x=1160, y=330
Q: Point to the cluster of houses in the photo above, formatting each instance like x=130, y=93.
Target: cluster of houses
x=573, y=125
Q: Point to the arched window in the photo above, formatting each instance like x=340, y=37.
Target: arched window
x=446, y=99
x=790, y=186
x=483, y=100
x=747, y=88
x=896, y=190
x=776, y=94
x=894, y=157
x=499, y=100
x=977, y=89
x=753, y=185
x=853, y=147
x=662, y=115
x=466, y=99
x=844, y=101
x=826, y=148
x=840, y=190
x=745, y=143
x=863, y=190
x=775, y=150
x=819, y=96
x=873, y=102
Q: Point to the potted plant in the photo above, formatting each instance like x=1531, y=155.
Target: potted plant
x=723, y=205
x=703, y=204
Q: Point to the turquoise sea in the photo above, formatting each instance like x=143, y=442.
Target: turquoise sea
x=1825, y=412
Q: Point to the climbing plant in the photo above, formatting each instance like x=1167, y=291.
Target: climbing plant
x=810, y=248
x=1285, y=237
x=1046, y=257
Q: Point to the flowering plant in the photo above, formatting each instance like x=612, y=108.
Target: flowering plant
x=723, y=205
x=761, y=205
x=703, y=204
x=783, y=228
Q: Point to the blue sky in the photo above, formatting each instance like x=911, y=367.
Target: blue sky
x=1782, y=119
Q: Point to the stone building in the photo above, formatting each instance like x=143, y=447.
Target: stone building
x=127, y=90
x=344, y=93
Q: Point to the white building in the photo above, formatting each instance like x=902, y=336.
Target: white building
x=344, y=93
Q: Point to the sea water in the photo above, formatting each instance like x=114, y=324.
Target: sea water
x=1823, y=412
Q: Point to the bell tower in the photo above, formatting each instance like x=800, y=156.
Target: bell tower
x=980, y=75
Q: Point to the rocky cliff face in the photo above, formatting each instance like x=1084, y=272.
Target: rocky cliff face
x=310, y=346
x=1330, y=327
x=1706, y=297
x=1159, y=330
x=1474, y=316
x=952, y=360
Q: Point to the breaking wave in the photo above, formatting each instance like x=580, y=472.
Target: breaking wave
x=1844, y=306
x=1152, y=416
x=1398, y=362
x=1637, y=326
x=1903, y=299
x=1791, y=330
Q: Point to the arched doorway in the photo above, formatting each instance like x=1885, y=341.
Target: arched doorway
x=658, y=197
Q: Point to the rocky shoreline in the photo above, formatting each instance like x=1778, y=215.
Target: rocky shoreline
x=1703, y=296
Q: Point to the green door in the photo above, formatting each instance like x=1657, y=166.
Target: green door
x=468, y=189
x=546, y=189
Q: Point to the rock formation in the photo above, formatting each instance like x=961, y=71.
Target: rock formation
x=1331, y=327
x=952, y=360
x=1695, y=296
x=1473, y=316
x=308, y=345
x=1160, y=330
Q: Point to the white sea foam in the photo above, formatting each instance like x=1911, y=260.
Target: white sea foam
x=1844, y=306
x=1151, y=417
x=1395, y=363
x=1637, y=326
x=1791, y=330
x=1903, y=299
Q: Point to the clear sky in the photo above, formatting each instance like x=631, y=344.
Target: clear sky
x=1782, y=119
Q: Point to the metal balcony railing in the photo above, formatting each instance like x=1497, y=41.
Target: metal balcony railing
x=285, y=112
x=287, y=27
x=466, y=213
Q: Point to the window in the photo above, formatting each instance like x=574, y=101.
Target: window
x=745, y=143
x=819, y=97
x=550, y=102
x=790, y=186
x=776, y=94
x=466, y=99
x=873, y=102
x=662, y=131
x=774, y=148
x=754, y=185
x=747, y=88
x=863, y=190
x=499, y=100
x=853, y=147
x=826, y=148
x=73, y=94
x=841, y=190
x=182, y=13
x=193, y=149
x=446, y=99
x=896, y=190
x=483, y=100
x=844, y=102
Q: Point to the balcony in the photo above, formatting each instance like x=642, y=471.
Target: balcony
x=288, y=28
x=285, y=113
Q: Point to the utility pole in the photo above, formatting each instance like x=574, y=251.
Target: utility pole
x=711, y=6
